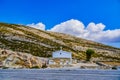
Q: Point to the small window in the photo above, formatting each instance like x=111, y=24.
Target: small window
x=60, y=53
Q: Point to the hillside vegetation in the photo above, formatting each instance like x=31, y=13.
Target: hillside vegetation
x=42, y=43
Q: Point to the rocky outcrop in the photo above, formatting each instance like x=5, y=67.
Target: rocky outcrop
x=10, y=59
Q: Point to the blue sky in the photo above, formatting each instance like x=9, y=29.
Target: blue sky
x=54, y=12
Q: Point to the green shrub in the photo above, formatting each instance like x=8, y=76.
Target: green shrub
x=89, y=53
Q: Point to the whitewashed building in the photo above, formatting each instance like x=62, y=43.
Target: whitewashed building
x=61, y=58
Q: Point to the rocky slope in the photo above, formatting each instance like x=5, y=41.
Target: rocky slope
x=40, y=43
x=11, y=59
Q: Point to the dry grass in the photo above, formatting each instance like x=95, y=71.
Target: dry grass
x=112, y=63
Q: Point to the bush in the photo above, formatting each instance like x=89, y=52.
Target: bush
x=35, y=67
x=89, y=53
x=4, y=67
x=114, y=67
x=44, y=66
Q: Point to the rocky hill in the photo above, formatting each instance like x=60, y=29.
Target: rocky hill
x=40, y=43
x=12, y=59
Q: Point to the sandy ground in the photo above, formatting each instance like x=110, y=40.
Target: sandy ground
x=78, y=65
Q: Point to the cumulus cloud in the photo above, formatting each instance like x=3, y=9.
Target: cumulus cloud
x=92, y=27
x=39, y=25
x=72, y=26
x=92, y=31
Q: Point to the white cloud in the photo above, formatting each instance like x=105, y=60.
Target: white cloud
x=92, y=27
x=92, y=31
x=39, y=25
x=72, y=26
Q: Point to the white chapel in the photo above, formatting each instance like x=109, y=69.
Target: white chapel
x=61, y=58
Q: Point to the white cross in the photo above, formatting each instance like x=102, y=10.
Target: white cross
x=61, y=47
